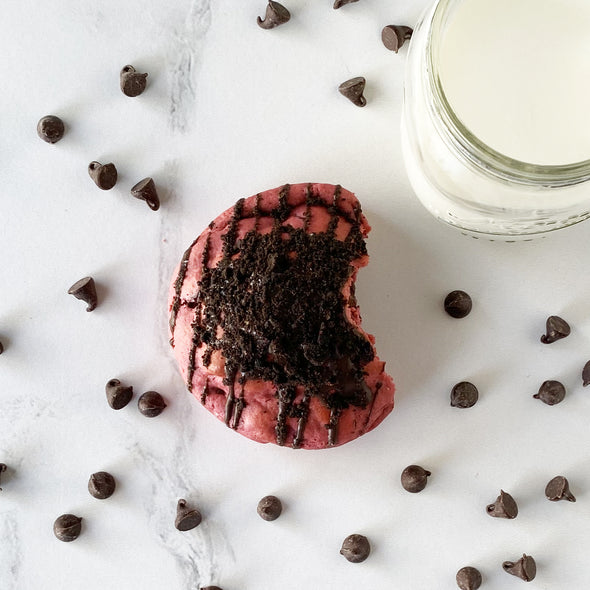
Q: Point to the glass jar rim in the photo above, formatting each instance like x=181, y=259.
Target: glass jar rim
x=472, y=149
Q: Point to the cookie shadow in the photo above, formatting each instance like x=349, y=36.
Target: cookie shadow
x=398, y=297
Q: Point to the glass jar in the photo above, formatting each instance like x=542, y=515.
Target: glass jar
x=461, y=180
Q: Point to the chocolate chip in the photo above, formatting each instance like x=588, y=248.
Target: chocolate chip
x=559, y=489
x=556, y=328
x=3, y=468
x=339, y=3
x=551, y=392
x=67, y=527
x=586, y=374
x=151, y=404
x=85, y=290
x=146, y=191
x=458, y=304
x=414, y=478
x=186, y=518
x=353, y=90
x=132, y=82
x=468, y=578
x=269, y=508
x=1, y=348
x=210, y=588
x=118, y=395
x=276, y=15
x=394, y=36
x=504, y=506
x=50, y=129
x=101, y=485
x=525, y=568
x=104, y=175
x=464, y=395
x=355, y=548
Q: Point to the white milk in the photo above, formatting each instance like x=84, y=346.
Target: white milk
x=517, y=73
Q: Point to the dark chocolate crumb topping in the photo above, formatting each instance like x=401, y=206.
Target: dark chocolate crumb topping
x=277, y=299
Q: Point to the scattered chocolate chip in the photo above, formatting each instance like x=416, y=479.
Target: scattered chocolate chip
x=104, y=175
x=145, y=190
x=468, y=578
x=269, y=508
x=67, y=527
x=464, y=395
x=559, y=489
x=503, y=507
x=210, y=588
x=50, y=129
x=3, y=468
x=101, y=485
x=276, y=15
x=414, y=478
x=85, y=290
x=339, y=3
x=186, y=518
x=394, y=36
x=586, y=374
x=525, y=568
x=355, y=548
x=151, y=404
x=458, y=304
x=551, y=392
x=556, y=328
x=353, y=90
x=132, y=82
x=1, y=348
x=118, y=395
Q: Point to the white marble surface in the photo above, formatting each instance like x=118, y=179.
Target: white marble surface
x=231, y=110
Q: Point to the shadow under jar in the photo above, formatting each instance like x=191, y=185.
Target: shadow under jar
x=496, y=125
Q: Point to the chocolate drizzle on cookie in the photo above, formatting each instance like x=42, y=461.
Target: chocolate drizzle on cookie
x=178, y=288
x=273, y=307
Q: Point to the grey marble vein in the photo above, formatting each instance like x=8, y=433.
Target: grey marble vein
x=183, y=59
x=169, y=255
x=25, y=409
x=10, y=555
x=195, y=551
x=199, y=553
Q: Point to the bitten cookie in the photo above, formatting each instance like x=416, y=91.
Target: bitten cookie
x=264, y=322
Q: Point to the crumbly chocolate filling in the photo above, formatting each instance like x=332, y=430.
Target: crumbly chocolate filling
x=278, y=300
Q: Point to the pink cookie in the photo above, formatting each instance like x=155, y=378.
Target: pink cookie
x=265, y=325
